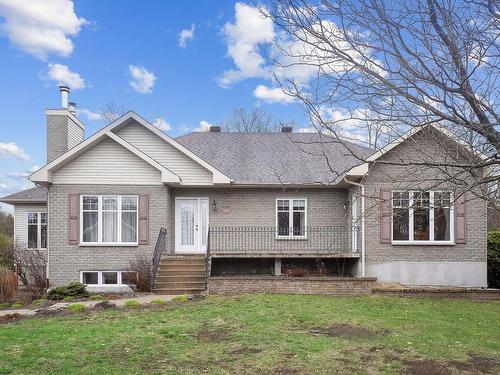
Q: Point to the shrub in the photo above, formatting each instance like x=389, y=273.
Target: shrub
x=4, y=305
x=68, y=299
x=8, y=284
x=6, y=252
x=16, y=305
x=140, y=266
x=96, y=297
x=157, y=302
x=132, y=304
x=494, y=259
x=70, y=290
x=181, y=298
x=32, y=268
x=76, y=307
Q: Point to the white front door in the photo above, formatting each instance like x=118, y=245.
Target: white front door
x=191, y=225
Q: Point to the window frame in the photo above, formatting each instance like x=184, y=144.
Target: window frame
x=431, y=240
x=100, y=220
x=290, y=235
x=100, y=279
x=38, y=229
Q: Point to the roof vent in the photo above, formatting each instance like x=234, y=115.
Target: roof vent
x=286, y=129
x=215, y=129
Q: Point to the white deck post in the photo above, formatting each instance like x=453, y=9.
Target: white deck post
x=277, y=266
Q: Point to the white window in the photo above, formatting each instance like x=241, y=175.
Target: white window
x=107, y=278
x=422, y=217
x=291, y=218
x=37, y=230
x=108, y=219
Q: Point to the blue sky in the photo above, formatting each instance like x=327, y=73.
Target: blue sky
x=97, y=46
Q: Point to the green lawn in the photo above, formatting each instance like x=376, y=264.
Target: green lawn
x=261, y=334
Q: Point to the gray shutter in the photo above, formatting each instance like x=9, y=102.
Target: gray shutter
x=385, y=215
x=144, y=219
x=74, y=219
x=460, y=222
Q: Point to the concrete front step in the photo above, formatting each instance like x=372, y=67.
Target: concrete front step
x=180, y=285
x=179, y=268
x=177, y=291
x=188, y=277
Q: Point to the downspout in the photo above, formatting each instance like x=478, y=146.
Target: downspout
x=363, y=266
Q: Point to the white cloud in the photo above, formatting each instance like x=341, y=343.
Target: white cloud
x=90, y=115
x=141, y=79
x=272, y=95
x=243, y=38
x=186, y=35
x=23, y=174
x=162, y=124
x=203, y=127
x=41, y=27
x=13, y=150
x=63, y=76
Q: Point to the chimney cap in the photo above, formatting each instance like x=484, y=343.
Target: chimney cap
x=286, y=129
x=63, y=88
x=214, y=129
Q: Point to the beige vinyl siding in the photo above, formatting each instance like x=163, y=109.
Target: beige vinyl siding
x=75, y=134
x=187, y=169
x=108, y=163
x=20, y=219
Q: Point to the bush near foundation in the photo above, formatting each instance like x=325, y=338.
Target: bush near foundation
x=494, y=259
x=71, y=290
x=8, y=284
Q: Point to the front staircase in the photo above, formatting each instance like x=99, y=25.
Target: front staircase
x=180, y=274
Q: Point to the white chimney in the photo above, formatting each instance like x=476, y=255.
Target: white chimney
x=64, y=96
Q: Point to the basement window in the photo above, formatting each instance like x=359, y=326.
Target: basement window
x=107, y=278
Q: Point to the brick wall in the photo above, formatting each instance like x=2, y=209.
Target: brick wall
x=66, y=261
x=292, y=285
x=257, y=207
x=394, y=177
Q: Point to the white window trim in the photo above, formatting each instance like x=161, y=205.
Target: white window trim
x=290, y=219
x=38, y=230
x=99, y=278
x=99, y=221
x=431, y=240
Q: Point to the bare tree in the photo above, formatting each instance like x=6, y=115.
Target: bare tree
x=397, y=64
x=111, y=111
x=255, y=121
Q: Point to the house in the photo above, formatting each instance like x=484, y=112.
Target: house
x=240, y=203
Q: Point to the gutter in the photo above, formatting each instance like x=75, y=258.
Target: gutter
x=363, y=261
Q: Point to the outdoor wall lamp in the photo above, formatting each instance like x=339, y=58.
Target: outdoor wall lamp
x=214, y=205
x=346, y=205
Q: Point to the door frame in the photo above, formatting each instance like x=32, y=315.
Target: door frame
x=199, y=248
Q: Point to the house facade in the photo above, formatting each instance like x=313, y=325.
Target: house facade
x=249, y=203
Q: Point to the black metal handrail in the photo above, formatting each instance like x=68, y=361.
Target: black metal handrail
x=160, y=248
x=273, y=240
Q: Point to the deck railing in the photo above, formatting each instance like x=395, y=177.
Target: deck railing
x=274, y=240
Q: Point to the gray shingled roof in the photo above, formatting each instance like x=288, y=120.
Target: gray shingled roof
x=36, y=194
x=267, y=158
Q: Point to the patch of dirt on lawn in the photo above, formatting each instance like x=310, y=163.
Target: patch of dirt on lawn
x=347, y=331
x=9, y=317
x=212, y=335
x=475, y=365
x=246, y=350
